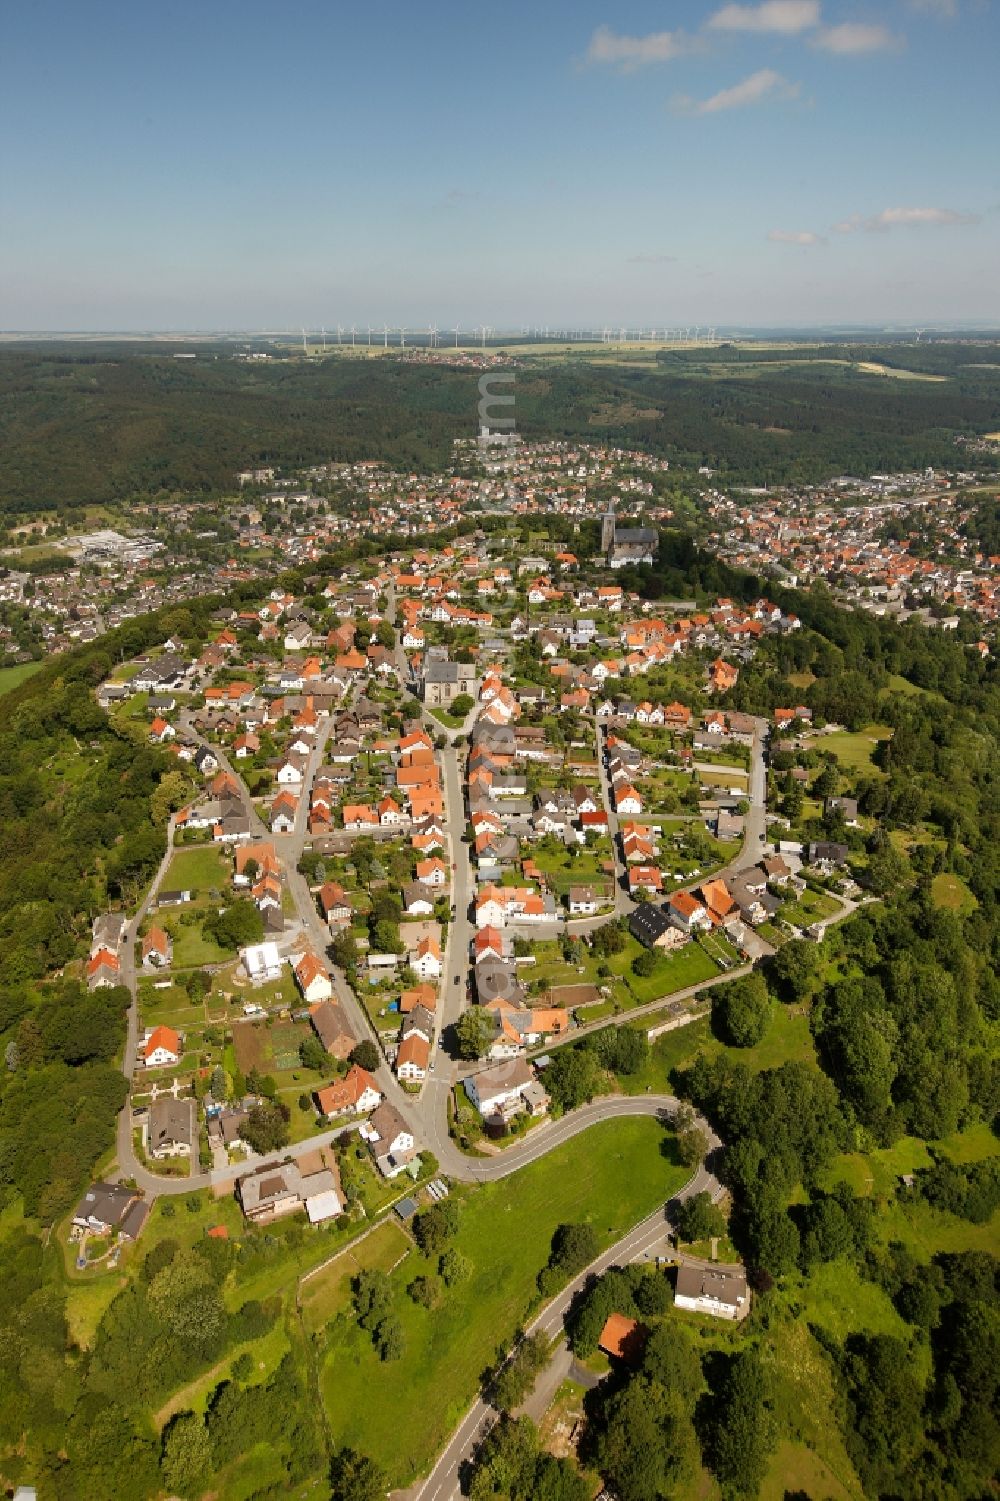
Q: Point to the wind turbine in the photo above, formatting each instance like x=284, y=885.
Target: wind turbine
x=369, y=336
x=456, y=331
x=385, y=335
x=323, y=332
x=305, y=346
x=353, y=334
x=432, y=330
x=402, y=338
x=340, y=333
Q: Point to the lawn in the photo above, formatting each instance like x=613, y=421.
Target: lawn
x=191, y=947
x=327, y=1293
x=854, y=750
x=199, y=869
x=786, y=1040
x=951, y=892
x=840, y=1300
x=13, y=677
x=812, y=906
x=688, y=966
x=611, y=1176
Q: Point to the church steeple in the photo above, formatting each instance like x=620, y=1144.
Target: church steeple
x=608, y=529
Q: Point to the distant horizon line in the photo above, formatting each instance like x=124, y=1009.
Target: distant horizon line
x=654, y=332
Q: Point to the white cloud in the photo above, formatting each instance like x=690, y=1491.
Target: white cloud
x=793, y=237
x=607, y=46
x=761, y=85
x=896, y=218
x=648, y=259
x=854, y=38
x=786, y=17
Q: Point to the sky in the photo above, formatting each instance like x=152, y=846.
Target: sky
x=228, y=164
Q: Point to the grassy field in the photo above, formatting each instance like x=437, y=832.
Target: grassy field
x=327, y=1293
x=853, y=750
x=198, y=870
x=12, y=677
x=611, y=1176
x=786, y=1040
x=950, y=891
x=812, y=906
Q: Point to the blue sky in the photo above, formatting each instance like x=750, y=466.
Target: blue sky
x=231, y=164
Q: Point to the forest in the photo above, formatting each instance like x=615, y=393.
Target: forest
x=107, y=423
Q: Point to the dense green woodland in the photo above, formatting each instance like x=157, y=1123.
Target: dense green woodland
x=903, y=1005
x=109, y=423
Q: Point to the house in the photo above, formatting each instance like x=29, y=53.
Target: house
x=331, y=1026
x=334, y=903
x=160, y=1047
x=418, y=900
x=103, y=969
x=413, y=1058
x=103, y=1207
x=499, y=1092
x=262, y=962
x=432, y=872
x=627, y=801
x=653, y=927
x=282, y=813
x=390, y=1140
x=687, y=912
x=169, y=1130
x=622, y=1338
x=719, y=1291
x=583, y=901
x=418, y=995
x=825, y=854
x=847, y=807
x=271, y=1192
x=426, y=962
x=357, y=1092
x=312, y=979
x=157, y=949
x=107, y=932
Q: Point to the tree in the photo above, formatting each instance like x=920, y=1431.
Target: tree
x=187, y=1454
x=516, y=1376
x=236, y=927
x=461, y=705
x=426, y=1291
x=313, y=1054
x=355, y=1477
x=454, y=1267
x=389, y=1339
x=366, y=1055
x=573, y=1248
x=433, y=1228
x=474, y=1032
x=794, y=968
x=372, y=1298
x=645, y=964
x=266, y=1127
x=646, y=1446
x=742, y=1427
x=741, y=1011
x=698, y=1218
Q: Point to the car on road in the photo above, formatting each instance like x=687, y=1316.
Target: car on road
x=458, y=979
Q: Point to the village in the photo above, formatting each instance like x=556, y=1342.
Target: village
x=423, y=843
x=857, y=533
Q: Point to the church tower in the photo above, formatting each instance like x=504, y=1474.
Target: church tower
x=608, y=529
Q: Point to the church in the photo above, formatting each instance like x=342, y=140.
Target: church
x=624, y=545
